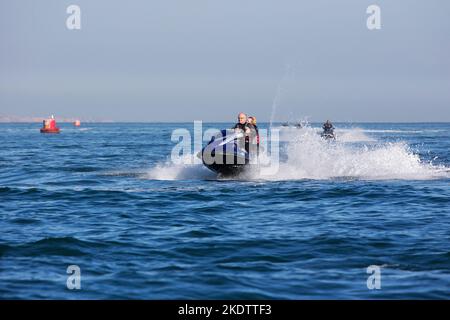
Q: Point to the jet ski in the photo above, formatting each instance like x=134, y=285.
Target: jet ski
x=328, y=135
x=227, y=153
x=328, y=131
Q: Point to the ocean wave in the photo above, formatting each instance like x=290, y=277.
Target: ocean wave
x=403, y=131
x=52, y=246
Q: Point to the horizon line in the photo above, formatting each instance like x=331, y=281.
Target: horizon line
x=192, y=121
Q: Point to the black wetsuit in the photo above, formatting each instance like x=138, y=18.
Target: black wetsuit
x=328, y=131
x=241, y=126
x=328, y=128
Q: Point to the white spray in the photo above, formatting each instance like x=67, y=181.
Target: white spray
x=308, y=156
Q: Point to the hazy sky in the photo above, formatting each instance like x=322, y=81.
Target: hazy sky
x=181, y=60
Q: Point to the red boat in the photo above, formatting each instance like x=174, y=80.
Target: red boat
x=49, y=126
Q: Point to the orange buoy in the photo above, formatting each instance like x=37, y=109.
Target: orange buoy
x=77, y=123
x=49, y=126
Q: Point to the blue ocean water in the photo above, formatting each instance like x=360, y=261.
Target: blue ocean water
x=106, y=197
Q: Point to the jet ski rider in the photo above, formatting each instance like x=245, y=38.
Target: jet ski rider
x=254, y=133
x=328, y=131
x=328, y=127
x=247, y=125
x=242, y=124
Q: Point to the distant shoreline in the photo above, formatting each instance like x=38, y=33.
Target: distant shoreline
x=40, y=119
x=224, y=122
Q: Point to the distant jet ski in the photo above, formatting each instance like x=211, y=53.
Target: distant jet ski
x=227, y=153
x=328, y=135
x=328, y=131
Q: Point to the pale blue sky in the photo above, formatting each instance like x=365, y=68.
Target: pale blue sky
x=181, y=60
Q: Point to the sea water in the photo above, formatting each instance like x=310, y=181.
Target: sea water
x=108, y=199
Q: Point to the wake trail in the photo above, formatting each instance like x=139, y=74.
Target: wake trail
x=308, y=156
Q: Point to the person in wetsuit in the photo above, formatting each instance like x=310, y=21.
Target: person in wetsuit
x=254, y=134
x=243, y=126
x=251, y=122
x=328, y=130
x=328, y=126
x=242, y=123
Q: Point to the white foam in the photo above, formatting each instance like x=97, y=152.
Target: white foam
x=170, y=171
x=353, y=135
x=311, y=157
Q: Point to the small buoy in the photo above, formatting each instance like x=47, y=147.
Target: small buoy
x=77, y=123
x=49, y=126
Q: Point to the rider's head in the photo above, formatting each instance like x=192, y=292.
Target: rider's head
x=242, y=118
